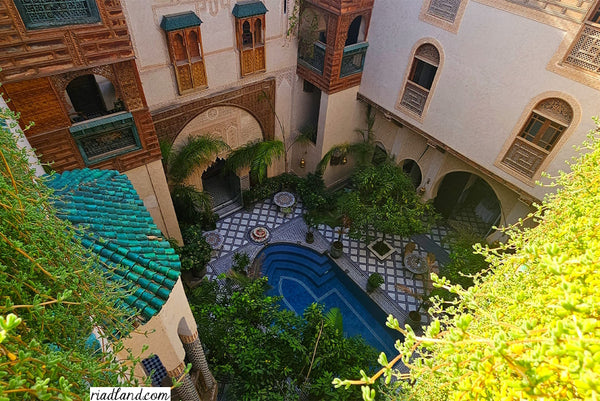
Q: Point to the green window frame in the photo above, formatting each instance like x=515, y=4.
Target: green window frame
x=39, y=14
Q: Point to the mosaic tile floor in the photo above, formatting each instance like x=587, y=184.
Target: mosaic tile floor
x=400, y=285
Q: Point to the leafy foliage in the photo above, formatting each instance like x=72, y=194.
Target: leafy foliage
x=270, y=186
x=374, y=281
x=530, y=328
x=258, y=156
x=196, y=252
x=241, y=261
x=52, y=296
x=464, y=262
x=191, y=205
x=384, y=200
x=268, y=353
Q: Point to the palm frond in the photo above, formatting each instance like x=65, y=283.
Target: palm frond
x=241, y=157
x=258, y=156
x=322, y=165
x=190, y=203
x=198, y=151
x=166, y=149
x=334, y=318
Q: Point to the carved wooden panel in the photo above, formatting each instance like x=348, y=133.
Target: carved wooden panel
x=28, y=53
x=58, y=148
x=187, y=57
x=36, y=101
x=444, y=9
x=414, y=98
x=586, y=50
x=259, y=59
x=131, y=87
x=199, y=74
x=524, y=157
x=251, y=44
x=251, y=98
x=573, y=10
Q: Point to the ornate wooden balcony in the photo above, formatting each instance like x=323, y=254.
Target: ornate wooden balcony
x=353, y=59
x=316, y=60
x=105, y=137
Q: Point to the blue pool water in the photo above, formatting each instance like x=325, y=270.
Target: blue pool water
x=302, y=276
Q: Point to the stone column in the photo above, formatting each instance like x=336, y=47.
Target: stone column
x=186, y=390
x=195, y=354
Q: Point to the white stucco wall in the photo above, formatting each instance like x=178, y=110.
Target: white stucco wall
x=493, y=67
x=218, y=40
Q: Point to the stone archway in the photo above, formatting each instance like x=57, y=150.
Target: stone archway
x=236, y=127
x=468, y=199
x=413, y=171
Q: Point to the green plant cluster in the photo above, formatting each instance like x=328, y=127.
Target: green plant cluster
x=464, y=262
x=196, y=252
x=52, y=296
x=241, y=261
x=270, y=186
x=266, y=353
x=528, y=329
x=191, y=205
x=383, y=200
x=374, y=281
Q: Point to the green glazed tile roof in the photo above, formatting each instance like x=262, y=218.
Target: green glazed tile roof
x=120, y=230
x=245, y=9
x=174, y=22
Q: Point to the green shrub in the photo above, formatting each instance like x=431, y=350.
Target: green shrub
x=240, y=262
x=196, y=252
x=374, y=281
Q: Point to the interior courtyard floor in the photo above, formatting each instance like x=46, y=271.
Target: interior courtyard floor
x=402, y=291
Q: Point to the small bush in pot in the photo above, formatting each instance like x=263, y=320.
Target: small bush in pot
x=375, y=280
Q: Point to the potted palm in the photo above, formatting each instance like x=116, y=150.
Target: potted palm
x=337, y=247
x=309, y=219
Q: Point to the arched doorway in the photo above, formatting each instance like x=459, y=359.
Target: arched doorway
x=236, y=127
x=412, y=169
x=223, y=185
x=468, y=199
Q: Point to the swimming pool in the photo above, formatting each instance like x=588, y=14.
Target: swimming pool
x=302, y=276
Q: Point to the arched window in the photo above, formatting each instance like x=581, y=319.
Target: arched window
x=185, y=50
x=249, y=29
x=194, y=45
x=354, y=31
x=179, y=48
x=547, y=122
x=90, y=96
x=246, y=34
x=258, y=37
x=420, y=79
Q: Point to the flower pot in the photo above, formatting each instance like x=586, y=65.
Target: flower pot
x=413, y=320
x=336, y=249
x=310, y=237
